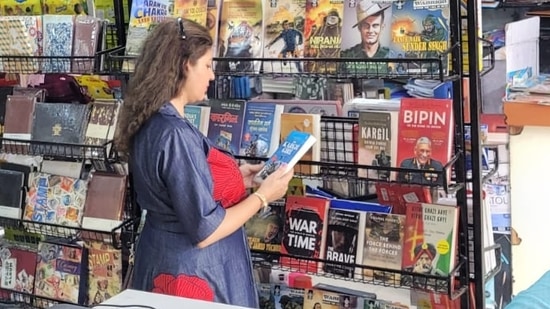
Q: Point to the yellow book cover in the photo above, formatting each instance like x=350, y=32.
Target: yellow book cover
x=64, y=7
x=310, y=123
x=241, y=34
x=104, y=272
x=145, y=14
x=284, y=34
x=20, y=8
x=323, y=31
x=194, y=10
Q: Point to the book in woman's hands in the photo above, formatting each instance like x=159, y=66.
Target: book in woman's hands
x=289, y=152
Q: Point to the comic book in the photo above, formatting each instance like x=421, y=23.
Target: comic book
x=194, y=10
x=240, y=35
x=323, y=32
x=213, y=22
x=284, y=34
x=145, y=14
x=366, y=34
x=420, y=29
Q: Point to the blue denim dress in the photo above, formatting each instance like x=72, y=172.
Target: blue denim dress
x=185, y=184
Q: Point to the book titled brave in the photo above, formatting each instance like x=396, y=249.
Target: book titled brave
x=295, y=145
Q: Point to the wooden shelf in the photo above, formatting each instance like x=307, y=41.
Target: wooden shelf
x=520, y=114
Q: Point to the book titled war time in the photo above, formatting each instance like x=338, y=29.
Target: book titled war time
x=304, y=232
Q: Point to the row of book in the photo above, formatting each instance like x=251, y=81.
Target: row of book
x=409, y=133
x=308, y=28
x=95, y=201
x=87, y=273
x=50, y=36
x=40, y=7
x=346, y=235
x=324, y=296
x=28, y=117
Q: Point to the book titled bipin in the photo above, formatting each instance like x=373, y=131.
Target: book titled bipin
x=289, y=152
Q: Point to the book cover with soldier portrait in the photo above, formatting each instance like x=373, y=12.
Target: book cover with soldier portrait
x=284, y=34
x=383, y=245
x=366, y=34
x=424, y=141
x=420, y=29
x=264, y=230
x=429, y=243
x=377, y=144
x=323, y=32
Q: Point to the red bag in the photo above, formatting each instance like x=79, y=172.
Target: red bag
x=63, y=88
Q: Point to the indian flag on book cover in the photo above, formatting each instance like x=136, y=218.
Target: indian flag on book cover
x=429, y=245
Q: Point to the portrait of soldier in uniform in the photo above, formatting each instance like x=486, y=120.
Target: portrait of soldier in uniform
x=370, y=23
x=423, y=161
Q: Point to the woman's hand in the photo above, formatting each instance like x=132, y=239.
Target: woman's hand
x=249, y=171
x=275, y=185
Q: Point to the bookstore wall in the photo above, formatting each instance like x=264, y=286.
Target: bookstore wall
x=393, y=181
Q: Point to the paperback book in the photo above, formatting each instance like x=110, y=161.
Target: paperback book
x=289, y=152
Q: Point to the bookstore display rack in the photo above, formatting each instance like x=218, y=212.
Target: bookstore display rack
x=337, y=166
x=30, y=233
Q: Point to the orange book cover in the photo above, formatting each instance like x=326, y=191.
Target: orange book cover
x=425, y=139
x=195, y=10
x=309, y=123
x=104, y=272
x=304, y=232
x=323, y=33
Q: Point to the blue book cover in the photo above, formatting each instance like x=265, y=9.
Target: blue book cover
x=193, y=114
x=358, y=205
x=295, y=145
x=258, y=127
x=226, y=124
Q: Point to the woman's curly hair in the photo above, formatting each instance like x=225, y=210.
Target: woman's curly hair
x=159, y=74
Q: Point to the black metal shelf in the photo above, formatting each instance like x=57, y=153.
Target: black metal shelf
x=54, y=150
x=425, y=68
x=395, y=278
x=56, y=231
x=50, y=64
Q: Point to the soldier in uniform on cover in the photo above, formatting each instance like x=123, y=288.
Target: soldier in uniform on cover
x=424, y=255
x=291, y=37
x=422, y=161
x=370, y=22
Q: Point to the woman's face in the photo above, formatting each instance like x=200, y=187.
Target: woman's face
x=199, y=76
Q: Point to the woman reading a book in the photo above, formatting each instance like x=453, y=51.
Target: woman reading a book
x=193, y=243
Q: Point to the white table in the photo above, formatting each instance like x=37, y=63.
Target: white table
x=158, y=301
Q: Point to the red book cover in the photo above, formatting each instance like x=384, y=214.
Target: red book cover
x=425, y=139
x=18, y=270
x=304, y=232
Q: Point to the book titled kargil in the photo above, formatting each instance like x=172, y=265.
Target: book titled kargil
x=289, y=152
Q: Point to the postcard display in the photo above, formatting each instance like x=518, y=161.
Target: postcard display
x=413, y=35
x=56, y=167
